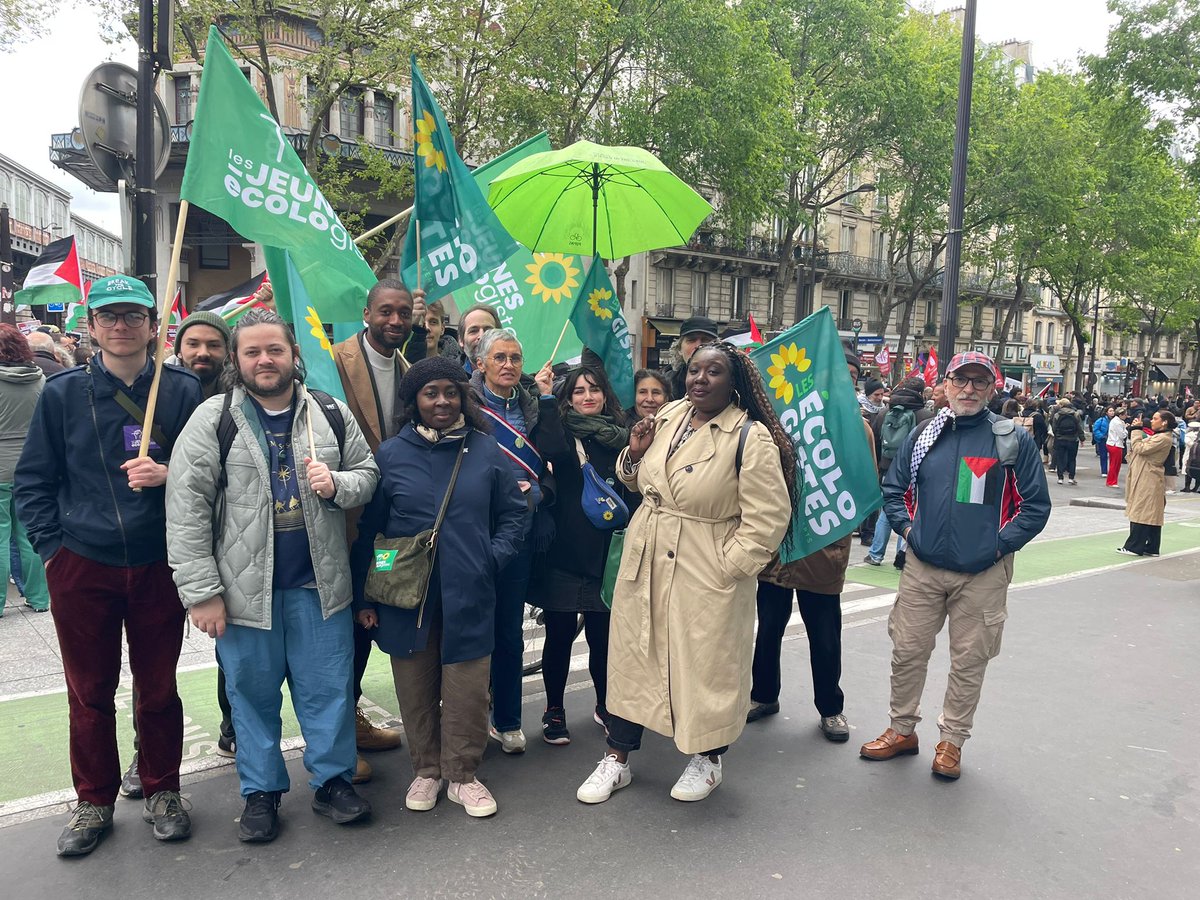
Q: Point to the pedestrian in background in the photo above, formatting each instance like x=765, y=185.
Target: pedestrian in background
x=1191, y=458
x=1145, y=488
x=441, y=651
x=651, y=391
x=683, y=609
x=1100, y=437
x=889, y=429
x=1114, y=442
x=1067, y=425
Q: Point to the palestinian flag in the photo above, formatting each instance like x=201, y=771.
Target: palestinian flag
x=54, y=278
x=232, y=303
x=751, y=338
x=974, y=485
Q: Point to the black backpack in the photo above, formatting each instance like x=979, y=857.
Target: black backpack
x=1066, y=424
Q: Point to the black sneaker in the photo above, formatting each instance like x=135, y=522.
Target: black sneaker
x=131, y=782
x=169, y=816
x=761, y=711
x=600, y=717
x=338, y=800
x=83, y=832
x=554, y=726
x=260, y=819
x=227, y=746
x=898, y=562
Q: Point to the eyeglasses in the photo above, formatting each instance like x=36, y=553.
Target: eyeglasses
x=980, y=383
x=501, y=359
x=134, y=318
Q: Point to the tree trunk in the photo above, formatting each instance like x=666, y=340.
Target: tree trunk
x=619, y=274
x=1196, y=356
x=1014, y=306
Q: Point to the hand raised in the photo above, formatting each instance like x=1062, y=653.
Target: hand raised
x=641, y=436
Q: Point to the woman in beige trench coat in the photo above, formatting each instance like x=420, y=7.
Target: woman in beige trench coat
x=1146, y=485
x=682, y=632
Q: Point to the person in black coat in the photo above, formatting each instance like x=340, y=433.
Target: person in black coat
x=441, y=650
x=572, y=570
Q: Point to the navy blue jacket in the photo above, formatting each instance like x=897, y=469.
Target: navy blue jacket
x=482, y=531
x=68, y=486
x=965, y=512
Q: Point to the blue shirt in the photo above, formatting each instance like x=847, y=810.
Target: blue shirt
x=293, y=557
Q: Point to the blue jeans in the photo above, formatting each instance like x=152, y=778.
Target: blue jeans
x=33, y=586
x=316, y=656
x=883, y=530
x=512, y=587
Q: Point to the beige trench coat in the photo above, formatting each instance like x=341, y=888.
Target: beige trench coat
x=1146, y=486
x=682, y=633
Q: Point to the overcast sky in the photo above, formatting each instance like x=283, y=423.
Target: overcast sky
x=42, y=79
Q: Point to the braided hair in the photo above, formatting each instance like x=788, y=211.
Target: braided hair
x=750, y=394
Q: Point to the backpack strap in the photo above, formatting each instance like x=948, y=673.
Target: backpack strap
x=333, y=414
x=1004, y=432
x=741, y=450
x=226, y=431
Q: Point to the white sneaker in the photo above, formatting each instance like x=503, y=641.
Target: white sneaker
x=510, y=741
x=423, y=794
x=473, y=797
x=698, y=780
x=610, y=775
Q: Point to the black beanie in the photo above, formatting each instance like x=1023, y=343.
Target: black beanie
x=432, y=368
x=872, y=385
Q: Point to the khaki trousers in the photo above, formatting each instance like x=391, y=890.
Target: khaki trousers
x=976, y=606
x=444, y=710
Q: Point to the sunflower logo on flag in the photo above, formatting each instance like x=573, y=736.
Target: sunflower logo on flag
x=785, y=369
x=552, y=276
x=426, y=130
x=596, y=301
x=318, y=331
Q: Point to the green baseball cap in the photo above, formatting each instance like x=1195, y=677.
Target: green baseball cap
x=119, y=289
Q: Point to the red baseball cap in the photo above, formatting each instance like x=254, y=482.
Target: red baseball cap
x=973, y=358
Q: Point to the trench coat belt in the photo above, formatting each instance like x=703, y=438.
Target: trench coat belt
x=636, y=552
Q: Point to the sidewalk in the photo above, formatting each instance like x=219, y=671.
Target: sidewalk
x=1081, y=781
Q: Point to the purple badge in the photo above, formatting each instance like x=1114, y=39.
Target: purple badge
x=133, y=439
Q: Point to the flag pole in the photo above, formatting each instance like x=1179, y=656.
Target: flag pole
x=399, y=217
x=160, y=353
x=561, y=335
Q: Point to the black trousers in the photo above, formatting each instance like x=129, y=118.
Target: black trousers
x=556, y=653
x=362, y=653
x=627, y=736
x=1065, y=452
x=822, y=615
x=1144, y=538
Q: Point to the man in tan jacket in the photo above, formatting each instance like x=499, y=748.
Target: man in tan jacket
x=371, y=364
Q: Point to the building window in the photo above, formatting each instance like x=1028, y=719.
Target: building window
x=214, y=256
x=879, y=246
x=699, y=293
x=385, y=123
x=930, y=312
x=847, y=245
x=738, y=285
x=352, y=115
x=845, y=307
x=183, y=98
x=1037, y=335
x=666, y=291
x=875, y=311
x=1108, y=343
x=1050, y=336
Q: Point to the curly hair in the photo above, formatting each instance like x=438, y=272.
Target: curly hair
x=750, y=394
x=470, y=410
x=612, y=406
x=14, y=348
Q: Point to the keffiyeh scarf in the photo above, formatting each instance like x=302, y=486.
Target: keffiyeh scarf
x=926, y=439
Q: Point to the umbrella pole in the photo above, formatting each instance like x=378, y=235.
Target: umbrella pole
x=595, y=207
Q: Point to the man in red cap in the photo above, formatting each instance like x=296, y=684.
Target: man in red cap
x=967, y=490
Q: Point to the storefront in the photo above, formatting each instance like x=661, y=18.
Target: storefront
x=1047, y=371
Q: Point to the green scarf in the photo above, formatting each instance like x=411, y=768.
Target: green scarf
x=601, y=428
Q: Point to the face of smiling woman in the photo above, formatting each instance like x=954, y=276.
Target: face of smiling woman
x=709, y=382
x=439, y=404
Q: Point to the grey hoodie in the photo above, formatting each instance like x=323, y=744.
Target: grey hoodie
x=20, y=387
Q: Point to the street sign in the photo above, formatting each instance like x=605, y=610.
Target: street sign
x=108, y=120
x=56, y=307
x=857, y=324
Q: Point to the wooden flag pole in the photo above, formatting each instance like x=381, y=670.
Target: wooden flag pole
x=399, y=217
x=160, y=354
x=562, y=334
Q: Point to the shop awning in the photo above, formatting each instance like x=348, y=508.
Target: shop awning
x=669, y=327
x=1166, y=371
x=1017, y=371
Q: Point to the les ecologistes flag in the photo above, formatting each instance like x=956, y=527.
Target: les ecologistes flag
x=601, y=326
x=293, y=302
x=54, y=277
x=805, y=374
x=460, y=236
x=242, y=168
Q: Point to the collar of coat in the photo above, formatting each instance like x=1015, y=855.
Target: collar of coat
x=529, y=407
x=730, y=418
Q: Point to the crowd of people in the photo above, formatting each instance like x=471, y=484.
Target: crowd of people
x=458, y=483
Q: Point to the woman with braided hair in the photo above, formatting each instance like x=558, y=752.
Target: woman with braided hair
x=716, y=472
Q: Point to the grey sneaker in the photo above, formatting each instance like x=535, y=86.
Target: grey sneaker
x=510, y=741
x=835, y=728
x=168, y=812
x=872, y=561
x=83, y=832
x=131, y=781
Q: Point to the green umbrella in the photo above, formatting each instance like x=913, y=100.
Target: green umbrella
x=621, y=198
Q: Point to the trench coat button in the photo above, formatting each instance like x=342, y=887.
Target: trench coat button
x=687, y=468
x=670, y=554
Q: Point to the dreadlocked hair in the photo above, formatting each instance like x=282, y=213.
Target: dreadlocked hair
x=751, y=395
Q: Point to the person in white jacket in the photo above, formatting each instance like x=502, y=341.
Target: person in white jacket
x=1117, y=434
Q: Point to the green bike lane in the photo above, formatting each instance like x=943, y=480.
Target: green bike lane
x=34, y=769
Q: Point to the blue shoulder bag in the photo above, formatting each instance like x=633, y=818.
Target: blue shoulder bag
x=601, y=503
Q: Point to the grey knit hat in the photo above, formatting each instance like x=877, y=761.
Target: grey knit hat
x=204, y=317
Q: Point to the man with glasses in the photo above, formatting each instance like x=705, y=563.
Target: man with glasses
x=95, y=513
x=967, y=491
x=371, y=365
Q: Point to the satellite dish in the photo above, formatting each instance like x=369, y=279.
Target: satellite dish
x=108, y=122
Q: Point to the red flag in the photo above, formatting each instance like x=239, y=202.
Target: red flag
x=755, y=334
x=931, y=368
x=884, y=361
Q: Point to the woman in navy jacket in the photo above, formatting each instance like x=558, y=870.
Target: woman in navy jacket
x=441, y=651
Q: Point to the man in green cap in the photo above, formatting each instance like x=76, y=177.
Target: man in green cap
x=95, y=513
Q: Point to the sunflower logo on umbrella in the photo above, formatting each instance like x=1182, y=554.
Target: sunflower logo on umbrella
x=318, y=330
x=785, y=369
x=597, y=300
x=426, y=130
x=552, y=276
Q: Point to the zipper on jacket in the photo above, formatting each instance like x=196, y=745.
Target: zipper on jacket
x=104, y=469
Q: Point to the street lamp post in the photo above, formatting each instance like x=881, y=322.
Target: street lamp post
x=47, y=229
x=866, y=188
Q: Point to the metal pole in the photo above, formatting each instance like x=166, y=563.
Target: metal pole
x=595, y=204
x=8, y=309
x=812, y=268
x=144, y=262
x=958, y=181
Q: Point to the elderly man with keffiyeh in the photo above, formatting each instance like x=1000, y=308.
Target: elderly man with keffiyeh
x=965, y=506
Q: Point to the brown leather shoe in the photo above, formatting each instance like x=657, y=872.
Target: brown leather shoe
x=362, y=771
x=947, y=760
x=888, y=745
x=370, y=737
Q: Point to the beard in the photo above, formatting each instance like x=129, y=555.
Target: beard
x=262, y=384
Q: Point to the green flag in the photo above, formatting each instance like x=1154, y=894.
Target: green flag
x=241, y=168
x=483, y=175
x=533, y=294
x=601, y=325
x=292, y=301
x=460, y=236
x=805, y=372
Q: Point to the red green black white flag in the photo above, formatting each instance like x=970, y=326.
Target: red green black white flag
x=973, y=481
x=55, y=277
